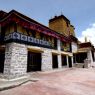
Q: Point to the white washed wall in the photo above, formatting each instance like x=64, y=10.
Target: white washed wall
x=15, y=60
x=46, y=60
x=74, y=47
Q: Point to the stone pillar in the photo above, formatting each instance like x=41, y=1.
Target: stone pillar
x=89, y=55
x=59, y=61
x=15, y=60
x=72, y=61
x=75, y=59
x=67, y=61
x=0, y=29
x=46, y=60
x=59, y=56
x=58, y=45
x=94, y=55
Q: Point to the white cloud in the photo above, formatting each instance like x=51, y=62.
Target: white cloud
x=89, y=33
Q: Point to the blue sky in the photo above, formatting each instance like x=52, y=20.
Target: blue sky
x=80, y=12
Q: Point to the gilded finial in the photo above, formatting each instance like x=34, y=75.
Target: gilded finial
x=85, y=38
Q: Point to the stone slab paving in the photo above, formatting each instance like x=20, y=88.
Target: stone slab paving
x=75, y=81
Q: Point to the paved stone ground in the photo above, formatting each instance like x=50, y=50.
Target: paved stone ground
x=75, y=81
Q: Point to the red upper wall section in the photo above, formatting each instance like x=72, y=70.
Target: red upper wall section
x=86, y=44
x=14, y=16
x=2, y=14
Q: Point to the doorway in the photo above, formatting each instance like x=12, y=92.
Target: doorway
x=64, y=60
x=70, y=61
x=34, y=61
x=54, y=61
x=2, y=58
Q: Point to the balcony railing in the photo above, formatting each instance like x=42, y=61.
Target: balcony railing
x=18, y=37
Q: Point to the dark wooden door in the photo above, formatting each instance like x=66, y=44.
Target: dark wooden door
x=54, y=61
x=70, y=61
x=34, y=62
x=2, y=58
x=64, y=60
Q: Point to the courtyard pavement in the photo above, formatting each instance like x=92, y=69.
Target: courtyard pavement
x=73, y=81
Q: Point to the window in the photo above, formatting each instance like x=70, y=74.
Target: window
x=33, y=33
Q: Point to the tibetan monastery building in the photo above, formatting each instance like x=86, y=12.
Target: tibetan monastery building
x=27, y=46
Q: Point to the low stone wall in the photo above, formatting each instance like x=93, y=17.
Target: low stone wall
x=78, y=65
x=82, y=65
